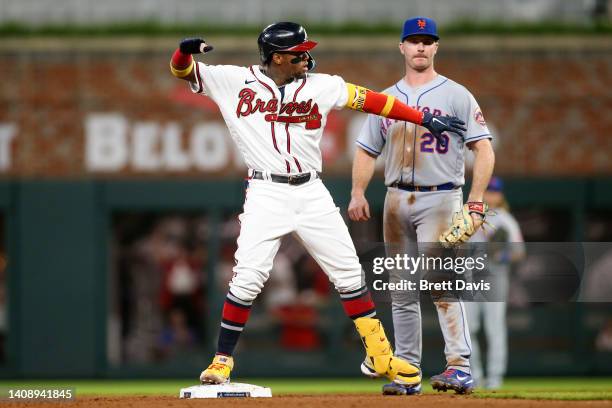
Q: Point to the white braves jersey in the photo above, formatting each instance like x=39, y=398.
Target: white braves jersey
x=275, y=131
x=413, y=155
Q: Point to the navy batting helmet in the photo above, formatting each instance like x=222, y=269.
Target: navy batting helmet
x=284, y=36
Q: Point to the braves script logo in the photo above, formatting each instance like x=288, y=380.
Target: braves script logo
x=306, y=111
x=421, y=24
x=248, y=105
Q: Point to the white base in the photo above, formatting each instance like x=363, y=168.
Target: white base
x=227, y=390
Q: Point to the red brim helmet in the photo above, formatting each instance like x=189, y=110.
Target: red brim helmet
x=284, y=36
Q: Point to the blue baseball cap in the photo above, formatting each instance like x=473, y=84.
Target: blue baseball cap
x=420, y=26
x=495, y=184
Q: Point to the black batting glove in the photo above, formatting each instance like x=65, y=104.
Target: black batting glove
x=440, y=124
x=194, y=46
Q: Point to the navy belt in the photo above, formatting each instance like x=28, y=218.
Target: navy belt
x=411, y=187
x=292, y=179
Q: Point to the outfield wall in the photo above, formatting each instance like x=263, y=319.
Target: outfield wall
x=81, y=108
x=58, y=238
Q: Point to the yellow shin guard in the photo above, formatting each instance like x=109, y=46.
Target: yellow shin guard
x=377, y=346
x=380, y=353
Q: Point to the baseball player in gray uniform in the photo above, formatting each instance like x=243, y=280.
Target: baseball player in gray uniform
x=503, y=230
x=424, y=176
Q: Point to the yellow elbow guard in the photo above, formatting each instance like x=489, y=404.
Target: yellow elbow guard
x=356, y=96
x=182, y=73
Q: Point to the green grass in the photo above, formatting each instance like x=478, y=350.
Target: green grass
x=522, y=388
x=156, y=28
x=569, y=389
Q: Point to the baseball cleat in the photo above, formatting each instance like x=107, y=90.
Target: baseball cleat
x=395, y=388
x=452, y=379
x=368, y=370
x=218, y=372
x=402, y=372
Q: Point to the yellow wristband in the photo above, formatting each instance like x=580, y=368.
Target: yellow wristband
x=182, y=73
x=356, y=96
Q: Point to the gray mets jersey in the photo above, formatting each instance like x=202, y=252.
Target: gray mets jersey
x=413, y=155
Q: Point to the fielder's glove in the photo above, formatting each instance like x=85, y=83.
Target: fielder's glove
x=439, y=124
x=194, y=46
x=462, y=228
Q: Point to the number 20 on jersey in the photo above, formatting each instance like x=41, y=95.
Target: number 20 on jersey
x=430, y=144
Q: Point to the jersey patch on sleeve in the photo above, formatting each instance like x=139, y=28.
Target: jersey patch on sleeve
x=479, y=117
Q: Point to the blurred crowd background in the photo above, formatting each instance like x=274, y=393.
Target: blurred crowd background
x=120, y=190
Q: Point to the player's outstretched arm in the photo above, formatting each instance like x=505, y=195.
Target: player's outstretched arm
x=366, y=100
x=363, y=170
x=182, y=63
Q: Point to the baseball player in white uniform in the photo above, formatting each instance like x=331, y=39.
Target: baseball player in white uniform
x=275, y=112
x=509, y=248
x=424, y=174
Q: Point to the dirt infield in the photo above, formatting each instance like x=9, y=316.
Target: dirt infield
x=335, y=401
